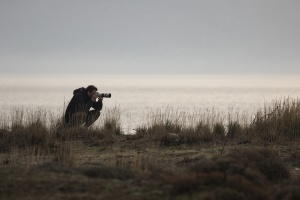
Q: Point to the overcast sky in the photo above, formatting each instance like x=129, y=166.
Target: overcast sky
x=150, y=36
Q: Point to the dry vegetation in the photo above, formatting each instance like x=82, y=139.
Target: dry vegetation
x=175, y=155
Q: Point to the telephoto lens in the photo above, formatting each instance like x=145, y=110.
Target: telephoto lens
x=106, y=95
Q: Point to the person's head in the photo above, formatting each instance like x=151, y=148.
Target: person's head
x=91, y=89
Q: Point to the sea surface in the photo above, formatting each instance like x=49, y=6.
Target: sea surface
x=136, y=95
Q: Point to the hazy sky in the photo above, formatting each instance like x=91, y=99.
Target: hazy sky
x=150, y=36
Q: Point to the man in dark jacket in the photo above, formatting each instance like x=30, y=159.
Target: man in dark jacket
x=78, y=111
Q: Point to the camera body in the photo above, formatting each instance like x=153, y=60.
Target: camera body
x=105, y=95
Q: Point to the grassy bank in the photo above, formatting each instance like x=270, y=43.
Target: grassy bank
x=174, y=155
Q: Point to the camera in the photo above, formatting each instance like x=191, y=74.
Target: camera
x=106, y=95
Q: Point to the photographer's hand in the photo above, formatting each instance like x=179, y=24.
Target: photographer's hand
x=94, y=97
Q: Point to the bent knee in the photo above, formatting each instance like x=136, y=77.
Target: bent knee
x=80, y=114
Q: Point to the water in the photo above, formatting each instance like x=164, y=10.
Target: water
x=136, y=95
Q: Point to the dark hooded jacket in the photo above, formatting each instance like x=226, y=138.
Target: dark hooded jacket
x=81, y=102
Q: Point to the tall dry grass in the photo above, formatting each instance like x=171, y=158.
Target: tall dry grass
x=37, y=130
x=277, y=121
x=25, y=128
x=188, y=127
x=32, y=135
x=110, y=121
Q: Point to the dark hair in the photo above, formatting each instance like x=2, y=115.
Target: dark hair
x=90, y=88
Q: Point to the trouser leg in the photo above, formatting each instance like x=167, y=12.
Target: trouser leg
x=92, y=116
x=77, y=119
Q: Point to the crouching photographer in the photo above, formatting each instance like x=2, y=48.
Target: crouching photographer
x=78, y=110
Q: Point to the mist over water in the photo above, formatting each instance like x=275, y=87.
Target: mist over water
x=136, y=95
